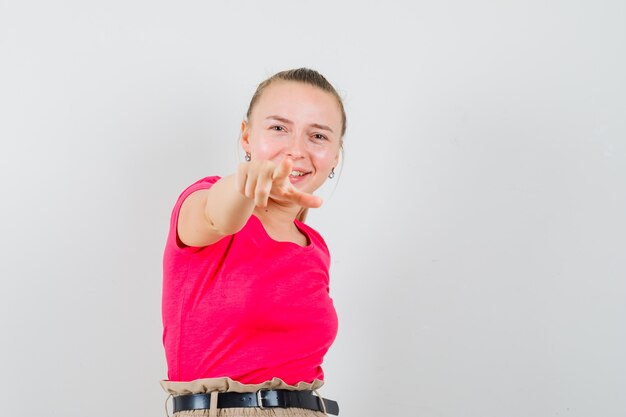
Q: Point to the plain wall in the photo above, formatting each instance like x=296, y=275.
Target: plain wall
x=477, y=229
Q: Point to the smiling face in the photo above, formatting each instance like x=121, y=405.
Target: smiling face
x=298, y=121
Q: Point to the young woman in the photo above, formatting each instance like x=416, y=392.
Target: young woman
x=246, y=308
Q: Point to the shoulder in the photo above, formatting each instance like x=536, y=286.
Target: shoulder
x=202, y=184
x=314, y=235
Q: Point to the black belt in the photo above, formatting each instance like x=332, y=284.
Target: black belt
x=261, y=399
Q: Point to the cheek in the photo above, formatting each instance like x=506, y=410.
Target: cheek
x=324, y=157
x=265, y=146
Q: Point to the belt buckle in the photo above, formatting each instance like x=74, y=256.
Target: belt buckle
x=259, y=399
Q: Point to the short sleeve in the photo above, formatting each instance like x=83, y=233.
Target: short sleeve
x=203, y=184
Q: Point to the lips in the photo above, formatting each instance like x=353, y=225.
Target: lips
x=296, y=173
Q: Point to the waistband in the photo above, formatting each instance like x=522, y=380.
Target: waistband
x=226, y=384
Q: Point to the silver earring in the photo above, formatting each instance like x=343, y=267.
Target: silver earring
x=248, y=158
x=332, y=174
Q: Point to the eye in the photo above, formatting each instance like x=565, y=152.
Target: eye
x=277, y=128
x=319, y=136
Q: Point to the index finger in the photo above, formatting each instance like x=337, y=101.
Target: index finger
x=283, y=169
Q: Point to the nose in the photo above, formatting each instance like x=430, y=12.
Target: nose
x=295, y=148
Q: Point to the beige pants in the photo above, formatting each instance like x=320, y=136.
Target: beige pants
x=217, y=385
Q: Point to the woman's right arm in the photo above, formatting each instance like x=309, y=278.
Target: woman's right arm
x=206, y=216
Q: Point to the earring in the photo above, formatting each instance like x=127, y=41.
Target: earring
x=332, y=173
x=248, y=158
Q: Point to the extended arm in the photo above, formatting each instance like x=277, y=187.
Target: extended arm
x=206, y=216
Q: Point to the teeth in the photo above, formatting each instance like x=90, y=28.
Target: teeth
x=296, y=173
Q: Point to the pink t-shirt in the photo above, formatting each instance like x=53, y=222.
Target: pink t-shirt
x=246, y=307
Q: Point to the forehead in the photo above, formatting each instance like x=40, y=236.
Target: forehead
x=299, y=102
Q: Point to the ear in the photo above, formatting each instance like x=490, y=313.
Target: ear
x=245, y=142
x=337, y=156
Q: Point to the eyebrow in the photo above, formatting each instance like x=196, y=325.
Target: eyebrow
x=282, y=119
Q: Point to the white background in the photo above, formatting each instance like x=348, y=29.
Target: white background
x=478, y=227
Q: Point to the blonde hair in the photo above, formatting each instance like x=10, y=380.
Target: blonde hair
x=307, y=76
